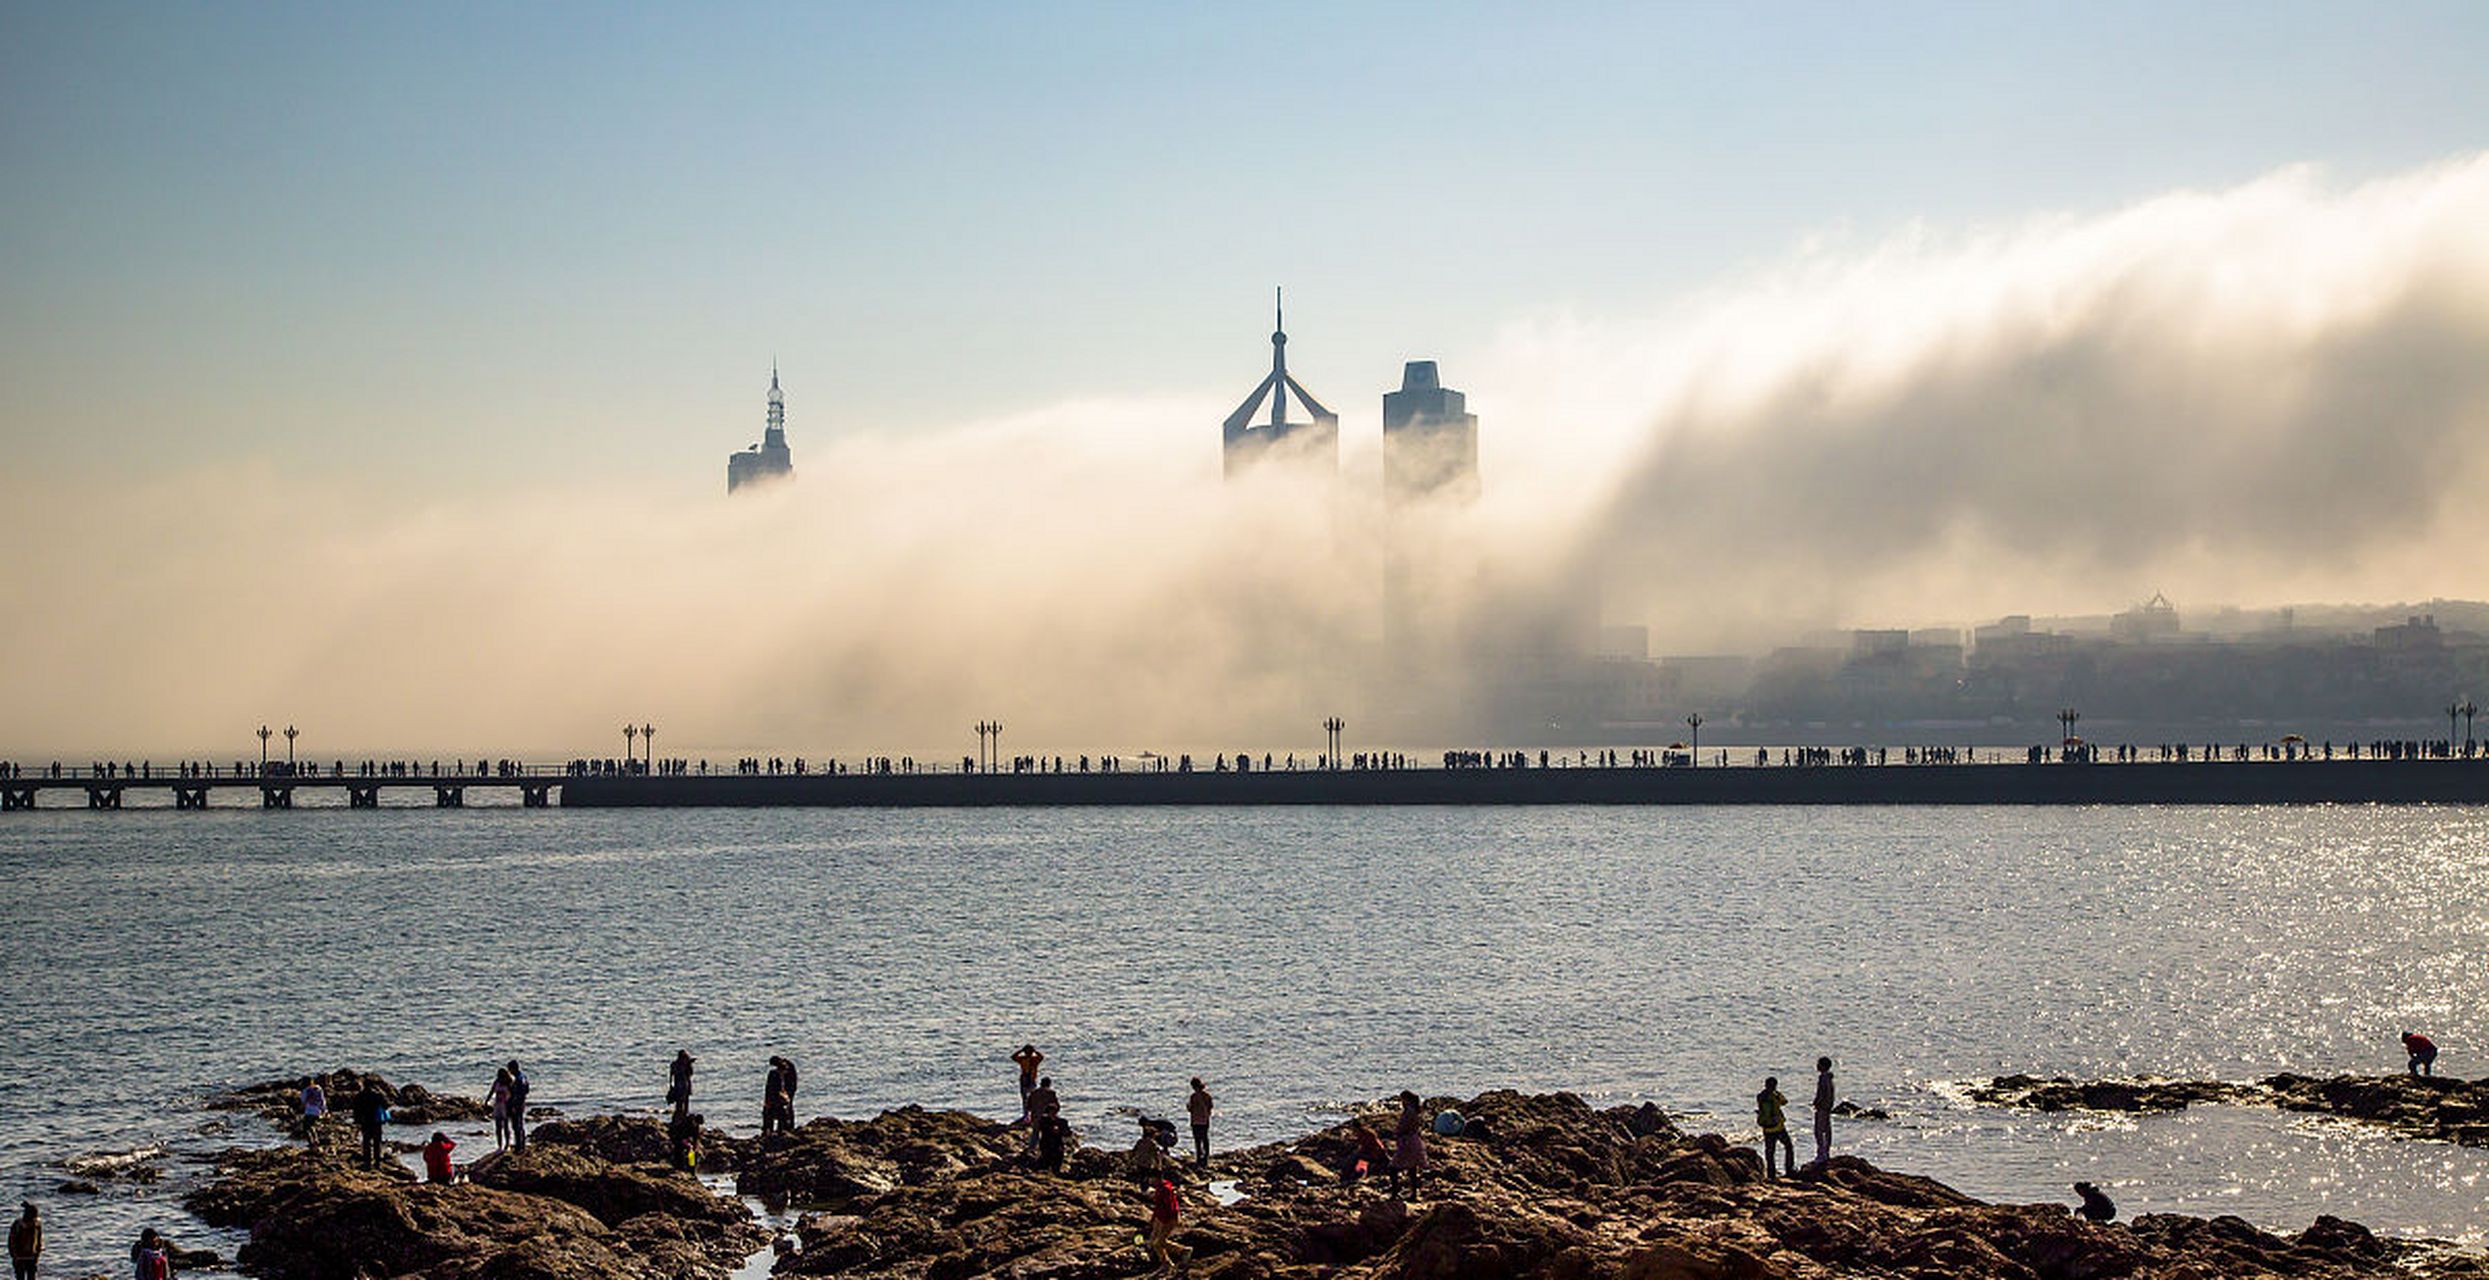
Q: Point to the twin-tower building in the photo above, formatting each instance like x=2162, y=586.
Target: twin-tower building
x=1430, y=439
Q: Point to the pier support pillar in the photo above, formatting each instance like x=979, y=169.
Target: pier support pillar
x=103, y=797
x=362, y=797
x=12, y=798
x=189, y=797
x=535, y=795
x=276, y=797
x=449, y=797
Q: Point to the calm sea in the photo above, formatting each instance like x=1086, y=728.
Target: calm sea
x=1300, y=959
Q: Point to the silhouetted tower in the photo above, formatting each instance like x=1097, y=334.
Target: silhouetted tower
x=768, y=460
x=1430, y=439
x=1317, y=441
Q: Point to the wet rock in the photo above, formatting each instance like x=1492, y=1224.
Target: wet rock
x=77, y=1187
x=2062, y=1094
x=2435, y=1107
x=827, y=1161
x=1849, y=1110
x=280, y=1100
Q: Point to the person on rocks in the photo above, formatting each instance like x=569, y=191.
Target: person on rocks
x=1199, y=1106
x=26, y=1241
x=1371, y=1157
x=683, y=1141
x=1409, y=1144
x=500, y=1098
x=1165, y=1209
x=1825, y=1097
x=518, y=1106
x=150, y=1258
x=2423, y=1053
x=1028, y=1059
x=1042, y=1102
x=679, y=1091
x=370, y=1114
x=436, y=1165
x=1149, y=1155
x=778, y=1098
x=314, y=1104
x=1771, y=1112
x=1051, y=1133
x=2096, y=1204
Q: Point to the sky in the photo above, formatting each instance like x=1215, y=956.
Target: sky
x=397, y=349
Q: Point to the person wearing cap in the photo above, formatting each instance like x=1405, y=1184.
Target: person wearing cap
x=679, y=1093
x=26, y=1241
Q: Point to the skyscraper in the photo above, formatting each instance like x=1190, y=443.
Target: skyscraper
x=768, y=460
x=1430, y=439
x=1316, y=442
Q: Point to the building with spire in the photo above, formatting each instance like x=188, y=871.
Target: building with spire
x=768, y=460
x=1247, y=442
x=1430, y=439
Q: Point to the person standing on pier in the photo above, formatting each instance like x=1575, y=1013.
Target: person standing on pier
x=1771, y=1113
x=1028, y=1059
x=1824, y=1098
x=518, y=1106
x=2423, y=1053
x=1199, y=1106
x=26, y=1241
x=679, y=1092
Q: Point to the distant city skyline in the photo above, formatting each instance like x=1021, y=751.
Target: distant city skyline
x=522, y=229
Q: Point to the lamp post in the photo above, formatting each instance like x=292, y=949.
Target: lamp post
x=2454, y=712
x=289, y=748
x=2468, y=711
x=2067, y=718
x=1694, y=723
x=630, y=735
x=648, y=745
x=264, y=734
x=1331, y=729
x=989, y=745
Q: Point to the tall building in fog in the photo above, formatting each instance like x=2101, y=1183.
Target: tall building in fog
x=1430, y=439
x=1246, y=442
x=768, y=460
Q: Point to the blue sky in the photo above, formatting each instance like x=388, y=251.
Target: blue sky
x=468, y=245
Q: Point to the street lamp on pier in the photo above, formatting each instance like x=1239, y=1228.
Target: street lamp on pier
x=289, y=748
x=630, y=735
x=2454, y=712
x=1694, y=725
x=2468, y=710
x=1331, y=730
x=648, y=745
x=265, y=733
x=2067, y=718
x=989, y=745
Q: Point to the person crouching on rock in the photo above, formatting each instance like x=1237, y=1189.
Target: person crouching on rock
x=436, y=1165
x=1771, y=1111
x=1149, y=1156
x=1371, y=1157
x=683, y=1142
x=2423, y=1053
x=2096, y=1204
x=1409, y=1144
x=1164, y=1211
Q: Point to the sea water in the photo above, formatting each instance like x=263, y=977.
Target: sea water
x=1300, y=960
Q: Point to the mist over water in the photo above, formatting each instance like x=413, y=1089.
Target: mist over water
x=2267, y=393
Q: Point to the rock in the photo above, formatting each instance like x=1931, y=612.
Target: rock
x=827, y=1161
x=2435, y=1107
x=280, y=1100
x=77, y=1187
x=2062, y=1094
x=1852, y=1111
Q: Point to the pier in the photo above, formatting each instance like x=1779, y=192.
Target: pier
x=2196, y=782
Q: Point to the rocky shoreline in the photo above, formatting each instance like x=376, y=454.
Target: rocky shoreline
x=1536, y=1186
x=2434, y=1108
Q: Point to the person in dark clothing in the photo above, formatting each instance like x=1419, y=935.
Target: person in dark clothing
x=1199, y=1106
x=2096, y=1204
x=518, y=1106
x=1051, y=1133
x=2423, y=1053
x=1771, y=1114
x=679, y=1092
x=776, y=1109
x=26, y=1241
x=371, y=1112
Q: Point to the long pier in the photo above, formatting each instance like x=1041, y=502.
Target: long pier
x=2424, y=781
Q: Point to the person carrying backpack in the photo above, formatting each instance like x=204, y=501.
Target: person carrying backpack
x=371, y=1112
x=1771, y=1112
